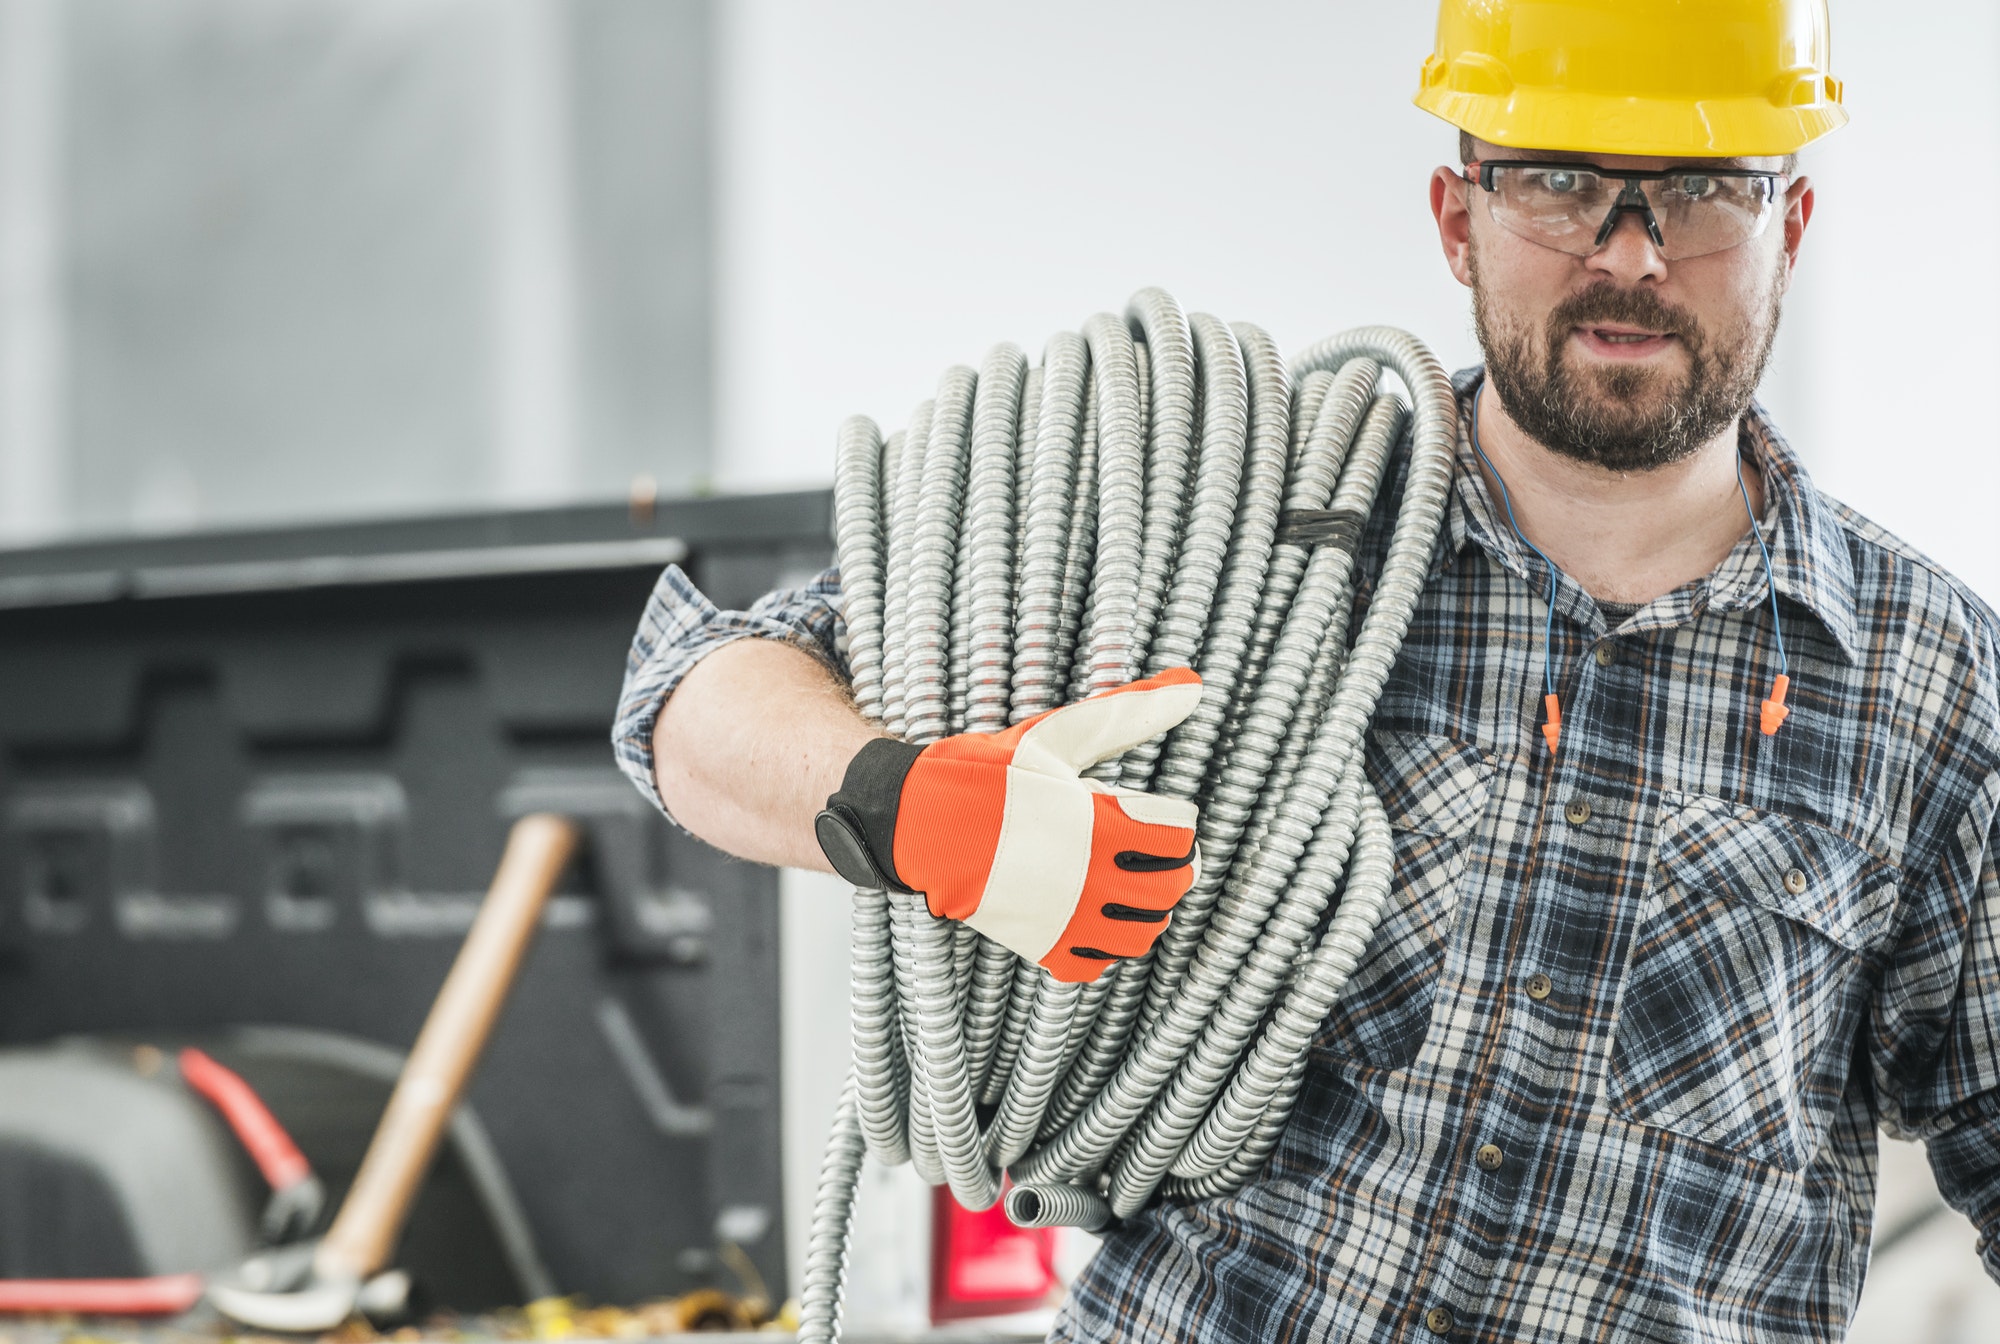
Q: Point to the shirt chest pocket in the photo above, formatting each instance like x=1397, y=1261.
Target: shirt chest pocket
x=1747, y=979
x=1434, y=790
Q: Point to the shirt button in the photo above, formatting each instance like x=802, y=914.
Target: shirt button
x=1539, y=986
x=1438, y=1320
x=1606, y=655
x=1488, y=1157
x=1795, y=882
x=1578, y=812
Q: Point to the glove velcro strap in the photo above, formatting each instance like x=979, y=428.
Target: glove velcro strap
x=871, y=795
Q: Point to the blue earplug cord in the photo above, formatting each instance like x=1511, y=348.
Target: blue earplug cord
x=1774, y=710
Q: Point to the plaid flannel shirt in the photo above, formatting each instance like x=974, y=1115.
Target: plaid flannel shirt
x=1614, y=1065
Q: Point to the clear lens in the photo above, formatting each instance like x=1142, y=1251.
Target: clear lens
x=1564, y=206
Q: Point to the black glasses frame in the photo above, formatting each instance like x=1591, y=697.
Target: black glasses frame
x=1632, y=198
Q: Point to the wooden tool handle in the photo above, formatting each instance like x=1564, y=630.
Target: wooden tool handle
x=370, y=1220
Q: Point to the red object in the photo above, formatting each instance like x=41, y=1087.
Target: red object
x=983, y=1265
x=276, y=1156
x=164, y=1295
x=269, y=1146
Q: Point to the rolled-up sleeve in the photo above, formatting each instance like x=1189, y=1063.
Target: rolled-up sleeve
x=1936, y=1039
x=680, y=627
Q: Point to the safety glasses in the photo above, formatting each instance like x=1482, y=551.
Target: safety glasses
x=1573, y=207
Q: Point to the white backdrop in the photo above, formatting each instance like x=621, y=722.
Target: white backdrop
x=901, y=184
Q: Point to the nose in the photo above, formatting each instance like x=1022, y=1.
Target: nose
x=1629, y=255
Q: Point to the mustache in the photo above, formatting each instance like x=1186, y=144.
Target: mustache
x=1606, y=302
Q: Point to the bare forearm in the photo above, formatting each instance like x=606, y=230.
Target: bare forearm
x=750, y=744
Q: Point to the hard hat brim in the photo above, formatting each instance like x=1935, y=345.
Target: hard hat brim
x=1724, y=128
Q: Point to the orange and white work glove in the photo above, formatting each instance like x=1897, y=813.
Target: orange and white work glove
x=999, y=830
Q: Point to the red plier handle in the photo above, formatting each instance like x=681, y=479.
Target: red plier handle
x=161, y=1295
x=269, y=1146
x=296, y=1200
x=297, y=1197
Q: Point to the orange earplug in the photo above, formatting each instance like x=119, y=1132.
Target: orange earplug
x=1553, y=728
x=1774, y=708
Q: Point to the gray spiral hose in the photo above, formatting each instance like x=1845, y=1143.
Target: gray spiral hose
x=1162, y=491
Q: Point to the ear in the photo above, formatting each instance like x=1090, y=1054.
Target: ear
x=1450, y=196
x=1798, y=214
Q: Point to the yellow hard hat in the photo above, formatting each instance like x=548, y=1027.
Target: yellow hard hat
x=1701, y=78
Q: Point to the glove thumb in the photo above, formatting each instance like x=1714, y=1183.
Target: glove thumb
x=1072, y=739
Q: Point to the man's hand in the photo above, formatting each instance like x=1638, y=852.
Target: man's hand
x=999, y=830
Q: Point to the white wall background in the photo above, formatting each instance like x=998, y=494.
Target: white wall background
x=267, y=263
x=901, y=184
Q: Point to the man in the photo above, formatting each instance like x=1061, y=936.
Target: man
x=1695, y=819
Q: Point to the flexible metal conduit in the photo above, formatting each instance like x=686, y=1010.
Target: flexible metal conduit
x=1160, y=492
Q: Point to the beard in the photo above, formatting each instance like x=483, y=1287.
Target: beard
x=1620, y=417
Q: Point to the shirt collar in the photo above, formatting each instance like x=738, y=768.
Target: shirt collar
x=1809, y=558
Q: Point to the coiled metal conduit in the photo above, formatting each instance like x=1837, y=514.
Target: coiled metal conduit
x=1160, y=492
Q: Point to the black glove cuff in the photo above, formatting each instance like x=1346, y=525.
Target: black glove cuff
x=857, y=831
